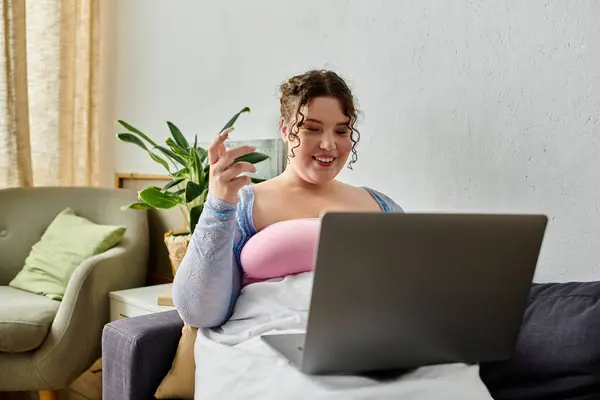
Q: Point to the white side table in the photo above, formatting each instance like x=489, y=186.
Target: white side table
x=139, y=301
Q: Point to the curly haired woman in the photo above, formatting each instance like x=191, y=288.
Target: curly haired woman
x=252, y=234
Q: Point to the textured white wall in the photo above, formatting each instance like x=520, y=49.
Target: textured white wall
x=477, y=105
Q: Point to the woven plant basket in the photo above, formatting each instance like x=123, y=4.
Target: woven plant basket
x=177, y=244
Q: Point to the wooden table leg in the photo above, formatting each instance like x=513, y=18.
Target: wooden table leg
x=48, y=395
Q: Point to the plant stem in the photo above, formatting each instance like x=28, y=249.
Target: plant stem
x=185, y=213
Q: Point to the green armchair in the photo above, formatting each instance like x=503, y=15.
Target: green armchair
x=46, y=344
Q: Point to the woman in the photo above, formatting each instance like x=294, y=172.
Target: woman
x=318, y=114
x=248, y=235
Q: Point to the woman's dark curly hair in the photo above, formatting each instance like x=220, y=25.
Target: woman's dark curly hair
x=300, y=89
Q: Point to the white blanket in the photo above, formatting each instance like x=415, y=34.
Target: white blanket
x=232, y=362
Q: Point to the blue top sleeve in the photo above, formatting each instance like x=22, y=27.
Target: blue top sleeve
x=209, y=279
x=385, y=202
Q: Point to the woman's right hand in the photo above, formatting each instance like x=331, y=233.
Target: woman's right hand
x=224, y=180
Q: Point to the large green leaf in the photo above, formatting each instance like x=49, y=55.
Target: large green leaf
x=178, y=136
x=172, y=183
x=177, y=149
x=136, y=131
x=159, y=160
x=172, y=155
x=199, y=149
x=136, y=206
x=230, y=123
x=202, y=176
x=203, y=153
x=182, y=173
x=252, y=158
x=196, y=160
x=158, y=199
x=192, y=191
x=195, y=213
x=131, y=138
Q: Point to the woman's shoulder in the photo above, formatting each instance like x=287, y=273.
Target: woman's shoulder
x=385, y=202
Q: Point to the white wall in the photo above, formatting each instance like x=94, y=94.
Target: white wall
x=479, y=105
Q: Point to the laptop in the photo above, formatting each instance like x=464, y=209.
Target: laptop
x=395, y=291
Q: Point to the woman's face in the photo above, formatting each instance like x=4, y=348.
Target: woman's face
x=325, y=142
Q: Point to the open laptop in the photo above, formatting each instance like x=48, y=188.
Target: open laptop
x=395, y=291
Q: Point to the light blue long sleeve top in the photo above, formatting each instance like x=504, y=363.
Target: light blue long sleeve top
x=209, y=279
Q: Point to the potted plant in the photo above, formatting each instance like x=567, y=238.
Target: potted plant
x=188, y=167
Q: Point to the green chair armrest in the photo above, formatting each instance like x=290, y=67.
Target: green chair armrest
x=74, y=340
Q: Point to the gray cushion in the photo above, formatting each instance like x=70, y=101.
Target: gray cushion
x=25, y=319
x=558, y=351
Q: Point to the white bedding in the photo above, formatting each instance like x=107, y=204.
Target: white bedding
x=232, y=362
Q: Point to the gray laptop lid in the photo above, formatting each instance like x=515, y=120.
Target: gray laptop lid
x=404, y=290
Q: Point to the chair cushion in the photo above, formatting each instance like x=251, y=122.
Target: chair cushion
x=25, y=319
x=558, y=350
x=69, y=240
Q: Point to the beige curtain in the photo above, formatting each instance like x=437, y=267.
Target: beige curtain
x=49, y=91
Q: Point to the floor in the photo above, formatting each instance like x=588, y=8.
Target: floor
x=87, y=387
x=62, y=395
x=18, y=396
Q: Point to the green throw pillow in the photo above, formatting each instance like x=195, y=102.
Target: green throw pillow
x=68, y=241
